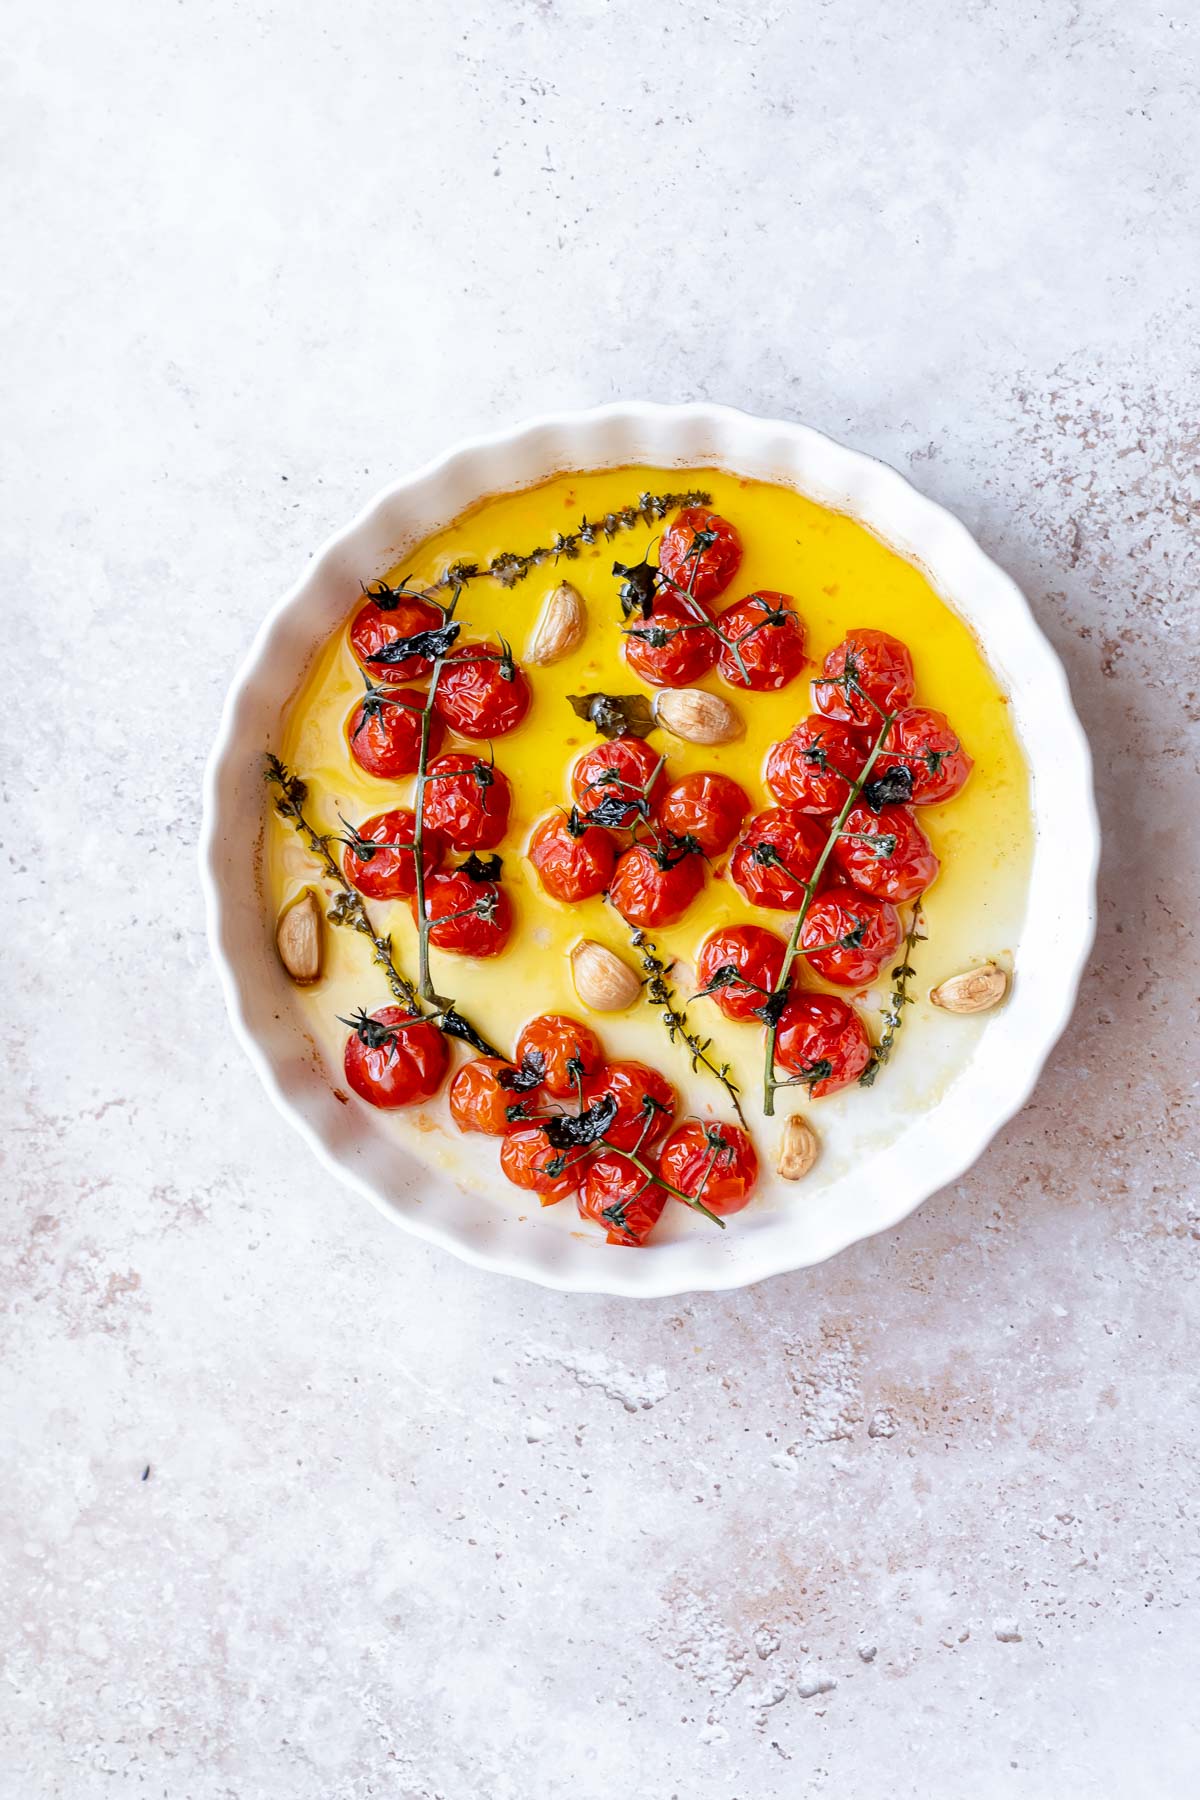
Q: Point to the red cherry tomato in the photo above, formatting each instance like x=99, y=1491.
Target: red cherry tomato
x=862, y=931
x=386, y=617
x=481, y=693
x=455, y=900
x=389, y=873
x=705, y=806
x=646, y=1103
x=574, y=860
x=926, y=744
x=466, y=801
x=886, y=853
x=530, y=1162
x=815, y=766
x=871, y=661
x=823, y=1041
x=480, y=1101
x=775, y=856
x=769, y=638
x=394, y=1058
x=756, y=953
x=384, y=731
x=700, y=552
x=671, y=648
x=655, y=887
x=712, y=1163
x=619, y=772
x=551, y=1043
x=621, y=1197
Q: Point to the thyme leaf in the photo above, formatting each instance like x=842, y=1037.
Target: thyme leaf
x=659, y=992
x=893, y=1016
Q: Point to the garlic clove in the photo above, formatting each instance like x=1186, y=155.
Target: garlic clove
x=299, y=938
x=975, y=990
x=697, y=716
x=799, y=1148
x=603, y=980
x=560, y=627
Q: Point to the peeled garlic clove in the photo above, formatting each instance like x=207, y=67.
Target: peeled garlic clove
x=602, y=979
x=798, y=1148
x=975, y=990
x=298, y=938
x=697, y=717
x=560, y=627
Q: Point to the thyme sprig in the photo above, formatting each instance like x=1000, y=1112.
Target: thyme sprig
x=659, y=992
x=900, y=997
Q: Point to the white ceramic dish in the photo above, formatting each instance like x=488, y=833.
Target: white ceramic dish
x=483, y=1227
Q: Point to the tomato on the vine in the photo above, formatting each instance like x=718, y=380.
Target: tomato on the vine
x=775, y=857
x=866, y=663
x=706, y=806
x=473, y=917
x=394, y=1057
x=886, y=853
x=655, y=886
x=822, y=1041
x=379, y=858
x=646, y=1103
x=480, y=1100
x=481, y=693
x=616, y=776
x=857, y=931
x=531, y=1162
x=715, y=1164
x=574, y=860
x=621, y=1197
x=769, y=640
x=700, y=552
x=926, y=744
x=672, y=648
x=388, y=616
x=384, y=732
x=757, y=955
x=466, y=801
x=551, y=1044
x=815, y=766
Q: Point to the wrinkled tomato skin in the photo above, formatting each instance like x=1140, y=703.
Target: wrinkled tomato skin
x=907, y=872
x=615, y=768
x=710, y=573
x=706, y=806
x=472, y=696
x=926, y=744
x=479, y=1102
x=755, y=952
x=611, y=1180
x=730, y=1180
x=411, y=1068
x=885, y=674
x=464, y=813
x=472, y=935
x=798, y=839
x=387, y=743
x=817, y=1028
x=683, y=659
x=374, y=629
x=772, y=652
x=794, y=772
x=631, y=1082
x=391, y=874
x=572, y=868
x=557, y=1039
x=835, y=914
x=646, y=895
x=524, y=1155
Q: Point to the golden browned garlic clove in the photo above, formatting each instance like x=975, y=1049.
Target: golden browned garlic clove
x=975, y=990
x=560, y=627
x=798, y=1148
x=602, y=979
x=298, y=938
x=697, y=717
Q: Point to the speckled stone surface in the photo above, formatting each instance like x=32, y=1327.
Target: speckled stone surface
x=921, y=1522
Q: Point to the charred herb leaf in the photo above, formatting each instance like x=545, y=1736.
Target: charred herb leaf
x=617, y=810
x=482, y=868
x=455, y=1026
x=893, y=788
x=529, y=1074
x=431, y=644
x=615, y=715
x=638, y=589
x=771, y=1010
x=571, y=1131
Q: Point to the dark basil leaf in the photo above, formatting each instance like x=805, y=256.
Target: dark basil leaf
x=771, y=1010
x=482, y=868
x=431, y=643
x=530, y=1074
x=892, y=788
x=617, y=810
x=638, y=588
x=616, y=715
x=569, y=1131
x=454, y=1025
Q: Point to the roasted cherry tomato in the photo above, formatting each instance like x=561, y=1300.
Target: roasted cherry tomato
x=574, y=860
x=713, y=1163
x=621, y=1197
x=815, y=766
x=859, y=933
x=756, y=953
x=769, y=639
x=618, y=773
x=886, y=853
x=653, y=886
x=870, y=663
x=466, y=801
x=671, y=648
x=395, y=1057
x=481, y=693
x=700, y=552
x=646, y=1103
x=926, y=744
x=822, y=1041
x=475, y=917
x=551, y=1043
x=385, y=732
x=705, y=806
x=387, y=616
x=775, y=856
x=530, y=1162
x=480, y=1100
x=379, y=860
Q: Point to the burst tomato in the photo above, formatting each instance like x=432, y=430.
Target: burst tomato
x=621, y=1197
x=531, y=1163
x=386, y=617
x=655, y=886
x=394, y=1058
x=926, y=744
x=481, y=693
x=670, y=648
x=574, y=860
x=713, y=1163
x=622, y=773
x=756, y=953
x=474, y=918
x=815, y=766
x=886, y=853
x=859, y=933
x=706, y=806
x=466, y=801
x=823, y=1042
x=646, y=1103
x=700, y=552
x=379, y=858
x=480, y=1100
x=775, y=856
x=385, y=732
x=866, y=663
x=551, y=1043
x=769, y=639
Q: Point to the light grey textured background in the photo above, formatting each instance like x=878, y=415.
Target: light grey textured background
x=922, y=1522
